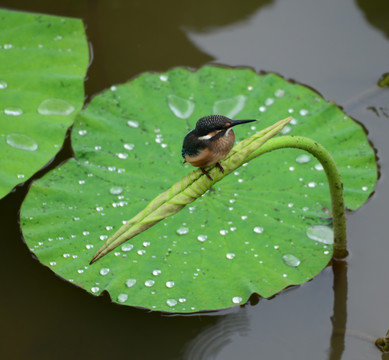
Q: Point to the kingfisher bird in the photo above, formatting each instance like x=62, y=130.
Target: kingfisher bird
x=210, y=141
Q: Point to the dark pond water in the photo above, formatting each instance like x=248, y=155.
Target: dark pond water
x=340, y=48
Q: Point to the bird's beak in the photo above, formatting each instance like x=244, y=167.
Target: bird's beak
x=238, y=122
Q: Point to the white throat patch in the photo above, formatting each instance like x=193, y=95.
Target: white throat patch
x=205, y=137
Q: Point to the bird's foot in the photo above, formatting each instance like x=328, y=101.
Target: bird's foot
x=220, y=167
x=205, y=172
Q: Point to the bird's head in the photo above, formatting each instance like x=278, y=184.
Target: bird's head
x=213, y=124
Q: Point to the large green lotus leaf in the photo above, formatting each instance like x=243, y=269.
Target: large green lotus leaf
x=259, y=230
x=43, y=61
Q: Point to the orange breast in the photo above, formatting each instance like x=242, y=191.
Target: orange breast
x=218, y=150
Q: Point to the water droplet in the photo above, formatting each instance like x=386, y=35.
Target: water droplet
x=130, y=282
x=157, y=272
x=291, y=260
x=223, y=232
x=312, y=184
x=284, y=275
x=290, y=205
x=89, y=246
x=303, y=159
x=133, y=123
x=149, y=283
x=258, y=229
x=122, y=298
x=85, y=233
x=230, y=256
x=236, y=299
x=364, y=188
x=23, y=142
x=13, y=111
x=116, y=190
x=303, y=112
x=53, y=263
x=321, y=233
x=291, y=168
x=243, y=217
x=129, y=146
x=319, y=167
x=182, y=108
x=286, y=130
x=146, y=243
x=262, y=108
x=171, y=302
x=95, y=289
x=122, y=155
x=55, y=107
x=279, y=93
x=82, y=132
x=170, y=284
x=3, y=84
x=269, y=101
x=127, y=247
x=64, y=255
x=230, y=107
x=163, y=78
x=202, y=238
x=182, y=230
x=103, y=237
x=276, y=247
x=181, y=300
x=141, y=252
x=104, y=271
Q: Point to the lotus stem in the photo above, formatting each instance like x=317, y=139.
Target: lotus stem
x=196, y=184
x=333, y=177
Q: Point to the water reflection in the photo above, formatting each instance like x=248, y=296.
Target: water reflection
x=339, y=317
x=209, y=343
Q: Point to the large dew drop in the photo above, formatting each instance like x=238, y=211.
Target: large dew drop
x=181, y=107
x=291, y=260
x=55, y=107
x=23, y=142
x=230, y=107
x=321, y=233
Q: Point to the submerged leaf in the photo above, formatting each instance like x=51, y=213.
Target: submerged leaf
x=43, y=61
x=262, y=228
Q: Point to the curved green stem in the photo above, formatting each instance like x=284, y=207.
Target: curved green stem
x=196, y=183
x=333, y=177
